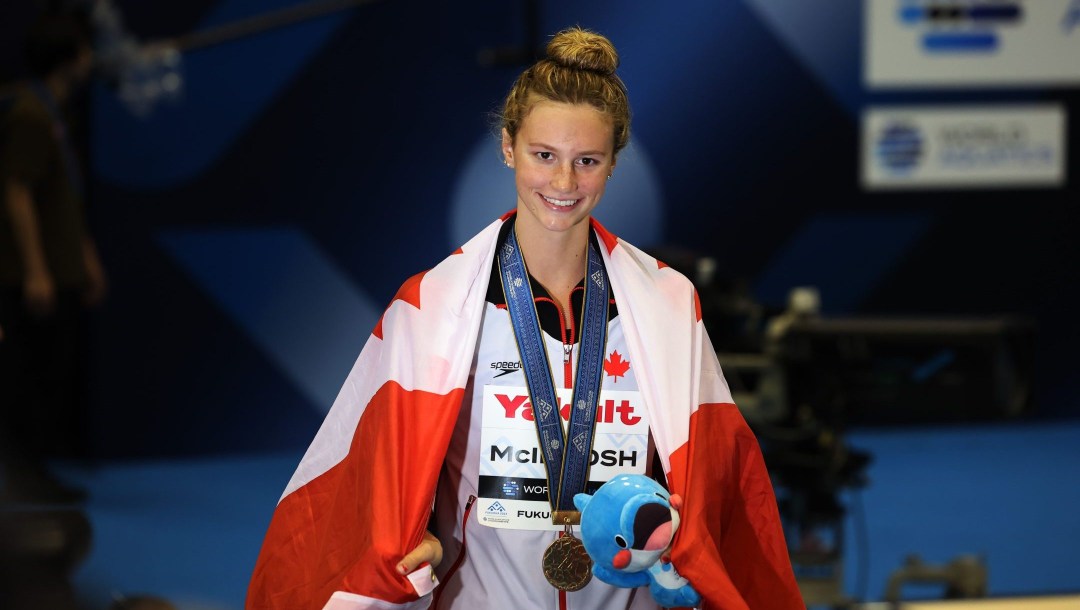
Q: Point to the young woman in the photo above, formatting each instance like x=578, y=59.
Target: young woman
x=542, y=358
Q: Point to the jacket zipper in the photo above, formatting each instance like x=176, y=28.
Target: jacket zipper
x=568, y=347
x=460, y=556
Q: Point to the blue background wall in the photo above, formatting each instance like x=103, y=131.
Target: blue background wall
x=270, y=213
x=254, y=229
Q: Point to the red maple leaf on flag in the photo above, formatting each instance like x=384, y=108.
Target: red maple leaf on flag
x=616, y=366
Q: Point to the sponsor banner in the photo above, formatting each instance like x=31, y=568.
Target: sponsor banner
x=515, y=514
x=965, y=43
x=521, y=488
x=513, y=485
x=963, y=146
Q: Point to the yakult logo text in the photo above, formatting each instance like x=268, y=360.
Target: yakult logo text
x=609, y=411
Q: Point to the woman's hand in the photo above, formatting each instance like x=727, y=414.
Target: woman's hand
x=429, y=550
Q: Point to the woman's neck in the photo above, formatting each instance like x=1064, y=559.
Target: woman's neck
x=555, y=259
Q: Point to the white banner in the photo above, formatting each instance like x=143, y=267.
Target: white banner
x=513, y=486
x=953, y=43
x=968, y=146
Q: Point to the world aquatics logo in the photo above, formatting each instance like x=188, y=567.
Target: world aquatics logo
x=900, y=147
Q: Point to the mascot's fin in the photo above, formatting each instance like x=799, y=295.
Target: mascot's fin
x=580, y=500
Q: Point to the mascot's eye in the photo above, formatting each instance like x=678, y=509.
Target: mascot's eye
x=619, y=540
x=661, y=496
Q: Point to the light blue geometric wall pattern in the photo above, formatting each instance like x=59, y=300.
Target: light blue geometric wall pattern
x=291, y=300
x=226, y=87
x=843, y=256
x=826, y=38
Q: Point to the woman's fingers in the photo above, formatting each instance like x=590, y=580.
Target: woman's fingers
x=428, y=551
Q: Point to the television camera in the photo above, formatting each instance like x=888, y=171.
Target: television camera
x=803, y=379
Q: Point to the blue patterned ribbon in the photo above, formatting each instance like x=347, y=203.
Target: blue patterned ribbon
x=566, y=457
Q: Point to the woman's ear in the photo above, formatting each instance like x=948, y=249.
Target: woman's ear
x=507, y=148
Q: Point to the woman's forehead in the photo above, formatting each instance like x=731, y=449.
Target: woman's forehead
x=579, y=124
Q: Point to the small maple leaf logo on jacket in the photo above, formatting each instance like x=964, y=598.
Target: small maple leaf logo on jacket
x=616, y=366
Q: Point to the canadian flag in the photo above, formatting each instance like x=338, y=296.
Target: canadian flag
x=362, y=494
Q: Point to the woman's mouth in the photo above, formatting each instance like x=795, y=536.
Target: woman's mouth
x=561, y=203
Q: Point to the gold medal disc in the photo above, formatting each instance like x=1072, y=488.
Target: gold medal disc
x=566, y=564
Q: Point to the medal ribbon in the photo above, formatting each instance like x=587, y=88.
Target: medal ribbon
x=566, y=457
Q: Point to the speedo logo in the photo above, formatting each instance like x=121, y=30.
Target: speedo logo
x=506, y=367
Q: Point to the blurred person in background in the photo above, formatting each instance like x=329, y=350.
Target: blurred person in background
x=49, y=265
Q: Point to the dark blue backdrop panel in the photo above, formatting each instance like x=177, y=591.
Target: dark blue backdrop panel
x=308, y=171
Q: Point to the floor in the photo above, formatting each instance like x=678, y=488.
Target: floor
x=189, y=530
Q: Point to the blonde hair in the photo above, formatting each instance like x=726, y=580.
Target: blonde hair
x=579, y=69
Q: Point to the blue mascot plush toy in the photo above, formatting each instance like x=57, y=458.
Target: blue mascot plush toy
x=627, y=527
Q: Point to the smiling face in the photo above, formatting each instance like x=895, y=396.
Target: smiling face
x=562, y=157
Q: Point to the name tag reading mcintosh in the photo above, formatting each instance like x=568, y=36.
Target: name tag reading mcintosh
x=513, y=487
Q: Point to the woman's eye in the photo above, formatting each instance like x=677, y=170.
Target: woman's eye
x=588, y=161
x=545, y=156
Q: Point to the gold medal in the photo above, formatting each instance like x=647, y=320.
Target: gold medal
x=566, y=564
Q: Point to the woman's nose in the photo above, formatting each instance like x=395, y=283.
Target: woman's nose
x=564, y=179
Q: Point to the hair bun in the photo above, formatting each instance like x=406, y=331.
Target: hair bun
x=581, y=49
